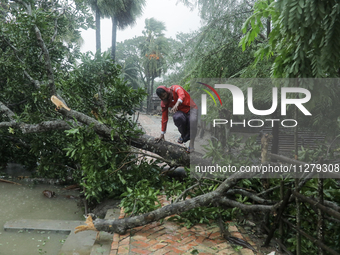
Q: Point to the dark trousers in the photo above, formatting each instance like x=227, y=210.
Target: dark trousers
x=184, y=121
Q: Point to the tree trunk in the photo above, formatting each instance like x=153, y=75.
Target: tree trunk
x=120, y=226
x=98, y=42
x=151, y=92
x=173, y=154
x=148, y=96
x=114, y=38
x=275, y=133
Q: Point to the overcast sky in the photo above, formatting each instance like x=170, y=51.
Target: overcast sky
x=177, y=18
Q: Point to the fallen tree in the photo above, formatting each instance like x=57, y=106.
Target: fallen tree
x=121, y=225
x=36, y=66
x=173, y=154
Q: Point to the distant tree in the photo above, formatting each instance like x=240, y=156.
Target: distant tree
x=95, y=8
x=153, y=49
x=177, y=58
x=213, y=52
x=129, y=57
x=123, y=13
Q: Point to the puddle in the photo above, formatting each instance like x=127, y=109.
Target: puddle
x=28, y=202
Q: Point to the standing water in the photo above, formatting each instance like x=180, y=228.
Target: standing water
x=28, y=202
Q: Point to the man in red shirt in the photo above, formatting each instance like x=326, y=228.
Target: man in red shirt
x=185, y=113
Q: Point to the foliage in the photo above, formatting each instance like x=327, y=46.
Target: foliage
x=246, y=155
x=122, y=14
x=128, y=55
x=105, y=169
x=125, y=12
x=100, y=160
x=213, y=52
x=141, y=199
x=300, y=44
x=303, y=39
x=153, y=51
x=93, y=87
x=144, y=58
x=307, y=212
x=24, y=82
x=153, y=48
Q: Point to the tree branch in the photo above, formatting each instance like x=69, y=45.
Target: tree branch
x=185, y=191
x=231, y=203
x=47, y=59
x=252, y=196
x=314, y=240
x=7, y=111
x=120, y=226
x=56, y=26
x=325, y=209
x=173, y=153
x=44, y=49
x=33, y=81
x=44, y=126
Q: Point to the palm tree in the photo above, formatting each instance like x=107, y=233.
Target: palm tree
x=153, y=49
x=95, y=8
x=123, y=13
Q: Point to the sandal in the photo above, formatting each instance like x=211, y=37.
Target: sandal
x=190, y=150
x=180, y=140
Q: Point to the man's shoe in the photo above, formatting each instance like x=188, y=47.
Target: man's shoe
x=190, y=150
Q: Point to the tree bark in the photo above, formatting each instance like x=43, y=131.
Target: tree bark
x=323, y=208
x=114, y=38
x=120, y=226
x=173, y=154
x=98, y=39
x=314, y=240
x=148, y=95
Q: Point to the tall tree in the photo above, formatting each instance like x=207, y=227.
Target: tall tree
x=123, y=13
x=212, y=48
x=95, y=8
x=303, y=43
x=304, y=37
x=154, y=48
x=129, y=57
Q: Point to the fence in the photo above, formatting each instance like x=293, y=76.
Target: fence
x=320, y=206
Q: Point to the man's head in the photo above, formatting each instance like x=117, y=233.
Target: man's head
x=162, y=94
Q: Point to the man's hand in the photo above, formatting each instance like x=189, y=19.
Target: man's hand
x=175, y=108
x=160, y=138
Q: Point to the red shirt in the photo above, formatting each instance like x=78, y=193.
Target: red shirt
x=178, y=93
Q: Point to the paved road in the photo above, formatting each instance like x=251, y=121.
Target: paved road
x=152, y=126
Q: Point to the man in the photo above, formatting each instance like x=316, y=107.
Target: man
x=185, y=113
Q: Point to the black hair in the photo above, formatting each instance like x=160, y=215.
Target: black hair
x=160, y=91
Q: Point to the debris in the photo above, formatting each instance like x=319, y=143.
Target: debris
x=2, y=180
x=48, y=193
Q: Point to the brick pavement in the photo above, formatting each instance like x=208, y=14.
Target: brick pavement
x=169, y=237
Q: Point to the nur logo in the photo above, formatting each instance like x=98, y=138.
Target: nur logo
x=239, y=99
